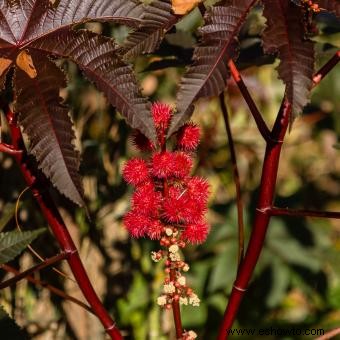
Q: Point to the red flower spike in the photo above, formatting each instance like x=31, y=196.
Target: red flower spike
x=174, y=205
x=188, y=137
x=198, y=189
x=162, y=164
x=196, y=233
x=146, y=200
x=135, y=171
x=136, y=224
x=181, y=165
x=141, y=142
x=155, y=230
x=161, y=114
x=193, y=210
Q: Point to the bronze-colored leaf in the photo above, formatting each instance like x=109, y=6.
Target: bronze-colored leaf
x=22, y=21
x=209, y=73
x=48, y=126
x=24, y=62
x=157, y=20
x=285, y=35
x=97, y=58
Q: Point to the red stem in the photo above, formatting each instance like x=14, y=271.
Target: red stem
x=260, y=123
x=326, y=68
x=60, y=231
x=176, y=309
x=307, y=213
x=264, y=205
x=261, y=221
x=51, y=288
x=39, y=266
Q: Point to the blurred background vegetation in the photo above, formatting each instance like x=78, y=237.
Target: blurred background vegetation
x=297, y=280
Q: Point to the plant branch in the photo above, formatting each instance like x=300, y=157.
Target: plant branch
x=51, y=288
x=176, y=309
x=326, y=68
x=59, y=229
x=48, y=262
x=264, y=204
x=260, y=123
x=274, y=211
x=236, y=175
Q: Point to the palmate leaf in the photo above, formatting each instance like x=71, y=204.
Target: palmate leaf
x=208, y=74
x=96, y=57
x=25, y=20
x=157, y=20
x=12, y=243
x=284, y=35
x=38, y=28
x=48, y=126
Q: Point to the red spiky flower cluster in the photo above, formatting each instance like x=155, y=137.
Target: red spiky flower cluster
x=165, y=193
x=168, y=204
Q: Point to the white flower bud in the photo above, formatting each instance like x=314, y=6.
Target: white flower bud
x=173, y=248
x=161, y=300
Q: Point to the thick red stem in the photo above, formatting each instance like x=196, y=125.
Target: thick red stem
x=261, y=221
x=60, y=231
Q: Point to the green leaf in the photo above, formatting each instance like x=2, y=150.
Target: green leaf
x=9, y=328
x=12, y=243
x=7, y=213
x=48, y=126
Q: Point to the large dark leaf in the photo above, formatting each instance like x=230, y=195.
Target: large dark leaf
x=23, y=20
x=157, y=20
x=48, y=126
x=285, y=35
x=208, y=74
x=96, y=56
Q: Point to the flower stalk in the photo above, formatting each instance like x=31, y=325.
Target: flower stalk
x=169, y=205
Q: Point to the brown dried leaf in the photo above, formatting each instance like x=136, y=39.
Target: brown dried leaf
x=24, y=62
x=182, y=7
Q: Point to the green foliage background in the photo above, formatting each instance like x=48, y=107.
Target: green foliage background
x=296, y=284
